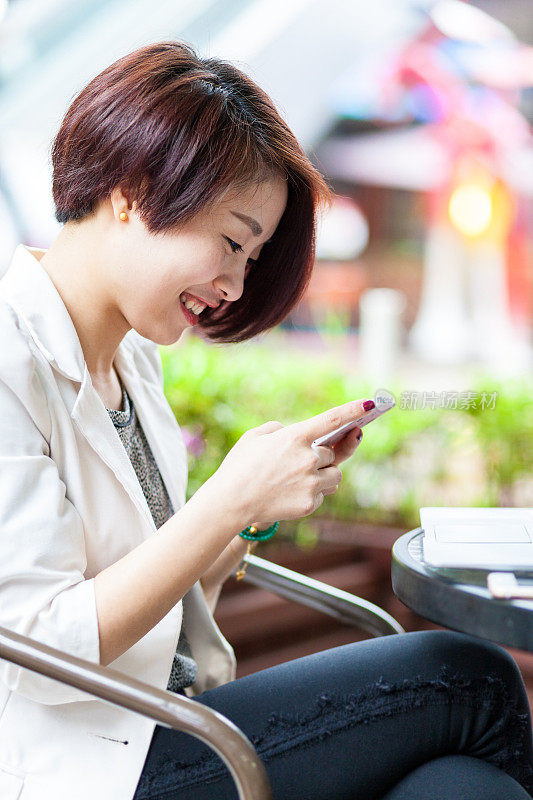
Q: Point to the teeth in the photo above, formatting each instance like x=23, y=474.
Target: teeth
x=196, y=308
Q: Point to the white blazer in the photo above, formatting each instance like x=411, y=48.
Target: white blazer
x=70, y=505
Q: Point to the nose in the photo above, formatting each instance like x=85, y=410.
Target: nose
x=231, y=283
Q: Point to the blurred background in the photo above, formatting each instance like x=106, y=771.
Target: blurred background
x=419, y=114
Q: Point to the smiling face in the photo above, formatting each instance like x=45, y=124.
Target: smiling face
x=206, y=258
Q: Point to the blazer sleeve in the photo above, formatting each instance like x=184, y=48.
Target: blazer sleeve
x=43, y=592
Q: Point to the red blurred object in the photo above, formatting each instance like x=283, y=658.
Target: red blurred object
x=336, y=285
x=519, y=270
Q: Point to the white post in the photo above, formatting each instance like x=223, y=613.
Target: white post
x=380, y=330
x=443, y=332
x=496, y=342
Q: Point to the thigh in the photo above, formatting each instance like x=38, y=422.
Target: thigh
x=350, y=722
x=457, y=778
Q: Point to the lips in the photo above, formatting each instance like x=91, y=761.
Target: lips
x=200, y=300
x=191, y=318
x=192, y=306
x=191, y=303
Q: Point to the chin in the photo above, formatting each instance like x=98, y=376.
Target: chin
x=167, y=340
x=164, y=337
x=174, y=339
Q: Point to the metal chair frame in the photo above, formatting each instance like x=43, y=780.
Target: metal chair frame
x=182, y=713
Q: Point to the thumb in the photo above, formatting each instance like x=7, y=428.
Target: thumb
x=268, y=427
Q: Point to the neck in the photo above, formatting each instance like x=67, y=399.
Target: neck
x=77, y=270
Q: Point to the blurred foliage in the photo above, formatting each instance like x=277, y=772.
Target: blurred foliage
x=409, y=458
x=505, y=436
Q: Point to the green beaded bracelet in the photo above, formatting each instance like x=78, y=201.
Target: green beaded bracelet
x=252, y=534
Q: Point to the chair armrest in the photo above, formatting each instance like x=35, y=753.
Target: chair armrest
x=345, y=607
x=166, y=708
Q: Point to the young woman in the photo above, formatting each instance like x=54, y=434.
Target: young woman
x=187, y=201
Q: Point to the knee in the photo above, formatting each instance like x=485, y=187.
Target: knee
x=464, y=653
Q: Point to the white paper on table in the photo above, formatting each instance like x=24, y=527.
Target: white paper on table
x=478, y=538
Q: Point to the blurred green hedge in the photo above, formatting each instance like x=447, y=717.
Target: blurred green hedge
x=411, y=457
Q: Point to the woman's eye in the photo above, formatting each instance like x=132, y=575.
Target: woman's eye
x=234, y=246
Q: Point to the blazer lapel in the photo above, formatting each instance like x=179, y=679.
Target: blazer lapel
x=92, y=419
x=27, y=287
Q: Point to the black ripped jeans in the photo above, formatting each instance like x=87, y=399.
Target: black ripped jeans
x=432, y=715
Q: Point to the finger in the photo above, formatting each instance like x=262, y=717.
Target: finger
x=330, y=477
x=326, y=455
x=351, y=440
x=355, y=435
x=330, y=420
x=348, y=445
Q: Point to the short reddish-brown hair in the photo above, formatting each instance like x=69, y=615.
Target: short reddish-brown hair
x=176, y=131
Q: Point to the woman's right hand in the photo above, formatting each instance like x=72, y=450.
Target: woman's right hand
x=273, y=473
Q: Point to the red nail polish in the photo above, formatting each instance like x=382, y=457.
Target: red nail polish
x=368, y=405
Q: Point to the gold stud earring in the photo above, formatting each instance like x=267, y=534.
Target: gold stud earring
x=123, y=216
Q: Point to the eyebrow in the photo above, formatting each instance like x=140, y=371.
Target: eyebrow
x=257, y=230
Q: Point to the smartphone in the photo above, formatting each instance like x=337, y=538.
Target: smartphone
x=384, y=402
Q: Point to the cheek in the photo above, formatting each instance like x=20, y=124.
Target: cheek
x=149, y=290
x=211, y=258
x=203, y=266
x=164, y=272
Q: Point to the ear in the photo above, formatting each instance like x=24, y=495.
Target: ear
x=119, y=202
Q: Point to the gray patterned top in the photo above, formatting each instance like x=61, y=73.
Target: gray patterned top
x=184, y=667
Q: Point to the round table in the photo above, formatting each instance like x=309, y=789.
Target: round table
x=458, y=599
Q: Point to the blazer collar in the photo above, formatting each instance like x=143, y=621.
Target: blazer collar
x=27, y=287
x=30, y=290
